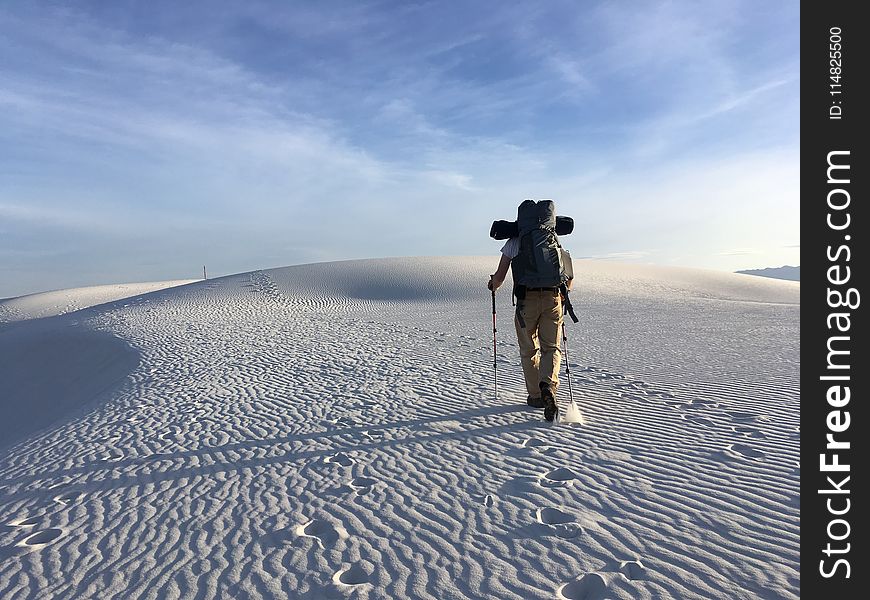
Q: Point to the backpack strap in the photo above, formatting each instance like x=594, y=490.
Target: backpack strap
x=567, y=302
x=520, y=294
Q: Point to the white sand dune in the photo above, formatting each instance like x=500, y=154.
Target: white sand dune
x=330, y=431
x=58, y=302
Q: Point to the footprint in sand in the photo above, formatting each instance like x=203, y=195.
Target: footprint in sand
x=113, y=456
x=362, y=485
x=750, y=432
x=538, y=446
x=633, y=569
x=592, y=586
x=560, y=477
x=373, y=437
x=744, y=417
x=699, y=404
x=324, y=532
x=553, y=516
x=606, y=376
x=702, y=421
x=367, y=405
x=564, y=524
x=28, y=522
x=746, y=451
x=40, y=539
x=340, y=459
x=67, y=498
x=704, y=401
x=354, y=575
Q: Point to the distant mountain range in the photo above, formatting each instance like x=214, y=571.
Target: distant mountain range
x=784, y=272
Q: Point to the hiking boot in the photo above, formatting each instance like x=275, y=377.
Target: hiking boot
x=551, y=410
x=535, y=402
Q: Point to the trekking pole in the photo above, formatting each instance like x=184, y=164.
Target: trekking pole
x=494, y=355
x=567, y=362
x=573, y=414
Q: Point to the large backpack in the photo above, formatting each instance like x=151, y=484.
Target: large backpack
x=539, y=262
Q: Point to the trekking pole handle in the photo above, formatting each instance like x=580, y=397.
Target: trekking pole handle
x=493, y=310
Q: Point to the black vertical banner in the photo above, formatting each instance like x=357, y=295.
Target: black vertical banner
x=834, y=427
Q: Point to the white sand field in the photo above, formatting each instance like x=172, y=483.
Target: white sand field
x=330, y=431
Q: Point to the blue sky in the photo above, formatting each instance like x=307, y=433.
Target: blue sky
x=141, y=140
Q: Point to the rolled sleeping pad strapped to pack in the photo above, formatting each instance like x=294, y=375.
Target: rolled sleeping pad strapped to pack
x=503, y=230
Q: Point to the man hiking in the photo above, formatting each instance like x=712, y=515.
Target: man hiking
x=541, y=283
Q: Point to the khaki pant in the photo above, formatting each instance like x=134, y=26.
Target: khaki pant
x=539, y=340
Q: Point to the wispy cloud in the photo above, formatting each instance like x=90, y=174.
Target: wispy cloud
x=455, y=180
x=227, y=129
